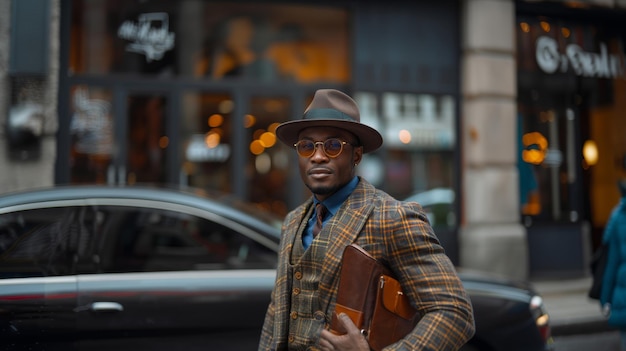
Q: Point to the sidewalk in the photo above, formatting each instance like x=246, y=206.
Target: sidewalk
x=571, y=311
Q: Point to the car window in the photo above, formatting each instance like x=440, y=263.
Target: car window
x=133, y=239
x=438, y=204
x=38, y=242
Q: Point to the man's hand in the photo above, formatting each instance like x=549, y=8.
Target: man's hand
x=352, y=341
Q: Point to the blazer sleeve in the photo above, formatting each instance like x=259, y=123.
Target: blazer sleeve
x=428, y=277
x=267, y=331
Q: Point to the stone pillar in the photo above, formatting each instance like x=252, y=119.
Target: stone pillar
x=491, y=237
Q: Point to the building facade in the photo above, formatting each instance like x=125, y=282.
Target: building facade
x=477, y=120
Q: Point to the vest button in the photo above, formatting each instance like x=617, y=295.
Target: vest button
x=319, y=315
x=296, y=291
x=298, y=275
x=291, y=338
x=294, y=315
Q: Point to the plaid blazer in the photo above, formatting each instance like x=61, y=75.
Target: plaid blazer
x=398, y=233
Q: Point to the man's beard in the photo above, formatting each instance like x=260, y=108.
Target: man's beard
x=322, y=190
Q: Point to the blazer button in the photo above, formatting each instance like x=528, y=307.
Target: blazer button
x=319, y=315
x=294, y=315
x=298, y=275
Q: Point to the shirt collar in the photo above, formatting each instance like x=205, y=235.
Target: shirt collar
x=334, y=201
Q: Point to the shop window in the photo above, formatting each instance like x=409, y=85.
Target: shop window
x=571, y=78
x=418, y=161
x=206, y=135
x=92, y=135
x=267, y=163
x=210, y=40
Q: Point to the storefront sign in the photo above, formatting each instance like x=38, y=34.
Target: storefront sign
x=150, y=35
x=419, y=121
x=583, y=63
x=198, y=151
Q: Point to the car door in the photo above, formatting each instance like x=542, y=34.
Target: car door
x=37, y=285
x=162, y=276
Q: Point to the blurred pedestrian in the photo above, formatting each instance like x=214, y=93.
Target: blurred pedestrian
x=613, y=292
x=330, y=142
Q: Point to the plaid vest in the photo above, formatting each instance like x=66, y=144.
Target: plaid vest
x=306, y=318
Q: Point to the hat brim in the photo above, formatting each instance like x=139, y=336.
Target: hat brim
x=369, y=137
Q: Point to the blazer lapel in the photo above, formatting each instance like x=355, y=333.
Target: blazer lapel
x=291, y=227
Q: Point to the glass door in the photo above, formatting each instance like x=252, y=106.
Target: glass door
x=550, y=164
x=118, y=137
x=147, y=139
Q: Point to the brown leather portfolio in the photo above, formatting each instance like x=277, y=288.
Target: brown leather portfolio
x=373, y=299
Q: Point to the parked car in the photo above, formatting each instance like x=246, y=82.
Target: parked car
x=437, y=203
x=128, y=268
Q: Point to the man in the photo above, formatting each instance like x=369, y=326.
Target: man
x=330, y=142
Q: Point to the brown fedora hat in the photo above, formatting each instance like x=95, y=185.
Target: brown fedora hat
x=331, y=108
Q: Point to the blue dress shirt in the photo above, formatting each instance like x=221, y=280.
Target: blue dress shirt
x=332, y=204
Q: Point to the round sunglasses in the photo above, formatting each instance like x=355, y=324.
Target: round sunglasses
x=332, y=147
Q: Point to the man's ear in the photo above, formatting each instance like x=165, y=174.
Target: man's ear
x=358, y=155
